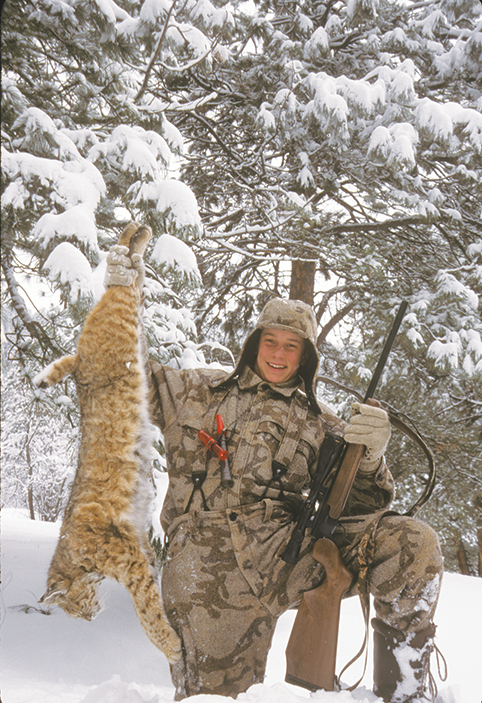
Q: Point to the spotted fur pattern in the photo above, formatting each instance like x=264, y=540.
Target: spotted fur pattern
x=104, y=528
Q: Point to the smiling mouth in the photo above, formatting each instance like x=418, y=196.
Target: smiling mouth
x=276, y=367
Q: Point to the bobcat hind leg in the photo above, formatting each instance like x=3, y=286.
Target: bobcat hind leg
x=128, y=564
x=140, y=241
x=136, y=237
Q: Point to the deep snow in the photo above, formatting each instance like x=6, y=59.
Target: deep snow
x=58, y=659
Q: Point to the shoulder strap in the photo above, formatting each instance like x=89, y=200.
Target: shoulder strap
x=367, y=544
x=295, y=422
x=285, y=453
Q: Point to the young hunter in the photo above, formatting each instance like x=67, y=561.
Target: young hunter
x=224, y=584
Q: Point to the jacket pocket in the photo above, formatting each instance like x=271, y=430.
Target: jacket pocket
x=179, y=537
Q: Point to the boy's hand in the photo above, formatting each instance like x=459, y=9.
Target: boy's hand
x=121, y=269
x=370, y=426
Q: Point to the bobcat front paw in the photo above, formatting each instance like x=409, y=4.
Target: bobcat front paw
x=56, y=371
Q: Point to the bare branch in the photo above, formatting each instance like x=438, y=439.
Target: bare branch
x=155, y=54
x=333, y=322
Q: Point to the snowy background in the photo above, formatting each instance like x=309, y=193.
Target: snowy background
x=58, y=659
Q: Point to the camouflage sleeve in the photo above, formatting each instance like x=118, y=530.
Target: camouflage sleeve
x=167, y=389
x=370, y=492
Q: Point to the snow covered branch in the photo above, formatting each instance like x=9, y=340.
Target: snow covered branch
x=32, y=326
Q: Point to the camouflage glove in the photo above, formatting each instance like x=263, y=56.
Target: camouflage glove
x=122, y=270
x=369, y=426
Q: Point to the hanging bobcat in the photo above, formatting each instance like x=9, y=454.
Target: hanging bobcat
x=104, y=528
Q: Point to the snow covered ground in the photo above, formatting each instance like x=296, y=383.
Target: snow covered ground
x=58, y=659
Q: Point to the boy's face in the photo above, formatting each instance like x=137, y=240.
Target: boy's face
x=280, y=354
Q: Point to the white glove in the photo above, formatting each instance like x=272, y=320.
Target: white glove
x=138, y=265
x=370, y=426
x=122, y=270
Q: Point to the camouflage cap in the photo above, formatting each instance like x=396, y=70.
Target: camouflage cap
x=293, y=315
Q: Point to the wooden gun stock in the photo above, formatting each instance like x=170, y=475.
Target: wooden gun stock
x=311, y=650
x=349, y=467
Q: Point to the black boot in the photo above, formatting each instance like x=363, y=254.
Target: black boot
x=401, y=664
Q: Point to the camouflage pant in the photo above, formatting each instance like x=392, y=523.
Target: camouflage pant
x=226, y=617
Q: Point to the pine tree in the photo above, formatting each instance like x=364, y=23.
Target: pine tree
x=80, y=159
x=323, y=150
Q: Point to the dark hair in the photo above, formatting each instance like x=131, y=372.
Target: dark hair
x=250, y=351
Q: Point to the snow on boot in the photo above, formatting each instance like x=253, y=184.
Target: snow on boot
x=401, y=664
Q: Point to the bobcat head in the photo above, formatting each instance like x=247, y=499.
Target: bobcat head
x=77, y=598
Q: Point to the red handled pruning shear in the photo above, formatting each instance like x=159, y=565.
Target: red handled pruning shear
x=212, y=445
x=226, y=478
x=219, y=448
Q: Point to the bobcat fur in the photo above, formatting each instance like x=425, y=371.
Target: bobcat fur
x=103, y=533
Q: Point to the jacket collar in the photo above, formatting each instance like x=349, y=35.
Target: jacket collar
x=250, y=379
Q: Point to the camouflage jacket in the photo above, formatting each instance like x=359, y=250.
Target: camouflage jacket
x=263, y=422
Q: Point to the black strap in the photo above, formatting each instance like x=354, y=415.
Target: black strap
x=366, y=552
x=198, y=478
x=279, y=470
x=412, y=432
x=367, y=544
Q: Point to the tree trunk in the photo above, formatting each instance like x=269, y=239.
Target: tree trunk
x=302, y=280
x=479, y=540
x=31, y=509
x=462, y=556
